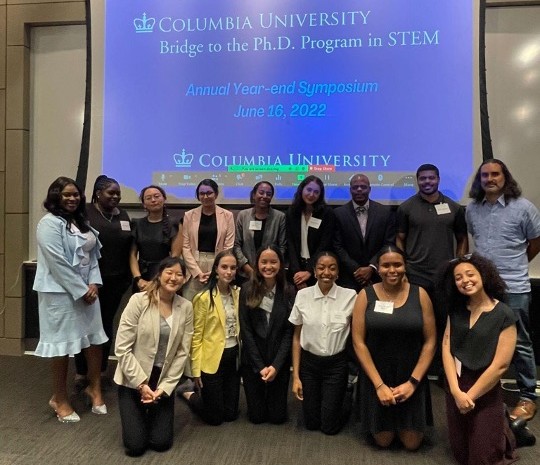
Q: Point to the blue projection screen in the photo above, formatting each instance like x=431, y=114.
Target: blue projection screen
x=242, y=90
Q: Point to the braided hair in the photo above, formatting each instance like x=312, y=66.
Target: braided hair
x=101, y=183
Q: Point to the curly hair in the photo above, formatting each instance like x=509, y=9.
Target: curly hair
x=53, y=203
x=254, y=288
x=511, y=189
x=298, y=205
x=447, y=292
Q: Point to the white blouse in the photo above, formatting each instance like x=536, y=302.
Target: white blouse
x=325, y=319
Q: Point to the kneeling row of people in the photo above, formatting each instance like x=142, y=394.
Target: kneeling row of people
x=394, y=338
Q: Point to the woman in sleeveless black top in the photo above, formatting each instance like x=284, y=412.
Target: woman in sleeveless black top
x=394, y=339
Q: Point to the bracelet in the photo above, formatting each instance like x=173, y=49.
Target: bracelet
x=137, y=278
x=414, y=381
x=380, y=385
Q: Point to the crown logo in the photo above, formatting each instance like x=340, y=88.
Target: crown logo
x=183, y=160
x=144, y=24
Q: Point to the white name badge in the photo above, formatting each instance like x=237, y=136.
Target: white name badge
x=267, y=304
x=255, y=225
x=442, y=209
x=314, y=223
x=384, y=307
x=458, y=366
x=125, y=225
x=339, y=318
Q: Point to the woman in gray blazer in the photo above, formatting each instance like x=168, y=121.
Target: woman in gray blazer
x=152, y=346
x=258, y=227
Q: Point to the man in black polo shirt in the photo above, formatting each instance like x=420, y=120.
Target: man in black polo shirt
x=427, y=224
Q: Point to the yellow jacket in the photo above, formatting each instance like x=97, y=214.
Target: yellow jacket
x=209, y=331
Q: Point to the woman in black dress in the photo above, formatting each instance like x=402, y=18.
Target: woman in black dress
x=153, y=237
x=310, y=230
x=394, y=338
x=114, y=229
x=478, y=346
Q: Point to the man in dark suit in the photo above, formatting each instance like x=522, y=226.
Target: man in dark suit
x=363, y=227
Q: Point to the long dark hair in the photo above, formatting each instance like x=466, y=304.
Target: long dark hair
x=153, y=288
x=101, y=183
x=165, y=221
x=511, y=189
x=448, y=294
x=255, y=288
x=298, y=205
x=54, y=200
x=213, y=278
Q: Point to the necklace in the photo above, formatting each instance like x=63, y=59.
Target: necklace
x=388, y=295
x=103, y=214
x=105, y=218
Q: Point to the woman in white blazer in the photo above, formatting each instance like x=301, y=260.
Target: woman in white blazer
x=152, y=346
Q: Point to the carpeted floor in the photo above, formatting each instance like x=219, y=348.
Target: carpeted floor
x=31, y=435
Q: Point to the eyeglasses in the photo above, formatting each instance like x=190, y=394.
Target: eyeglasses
x=463, y=258
x=206, y=193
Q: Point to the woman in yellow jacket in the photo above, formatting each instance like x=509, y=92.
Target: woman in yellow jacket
x=215, y=348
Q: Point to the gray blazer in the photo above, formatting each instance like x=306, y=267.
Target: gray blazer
x=274, y=233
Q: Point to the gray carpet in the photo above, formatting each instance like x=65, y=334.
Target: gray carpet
x=31, y=435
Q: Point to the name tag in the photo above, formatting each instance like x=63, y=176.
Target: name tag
x=267, y=304
x=457, y=362
x=125, y=225
x=314, y=223
x=442, y=209
x=255, y=225
x=384, y=307
x=339, y=318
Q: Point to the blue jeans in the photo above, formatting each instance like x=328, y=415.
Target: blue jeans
x=523, y=360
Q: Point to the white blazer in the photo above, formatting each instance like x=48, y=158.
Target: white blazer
x=137, y=343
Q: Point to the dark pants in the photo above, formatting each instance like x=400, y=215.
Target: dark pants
x=266, y=402
x=218, y=400
x=482, y=436
x=110, y=296
x=324, y=383
x=145, y=425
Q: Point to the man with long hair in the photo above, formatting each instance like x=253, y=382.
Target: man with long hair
x=506, y=228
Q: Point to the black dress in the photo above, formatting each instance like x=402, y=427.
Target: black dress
x=395, y=342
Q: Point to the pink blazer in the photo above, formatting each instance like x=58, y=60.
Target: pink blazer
x=190, y=236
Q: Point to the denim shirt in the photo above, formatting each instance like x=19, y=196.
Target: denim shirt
x=501, y=232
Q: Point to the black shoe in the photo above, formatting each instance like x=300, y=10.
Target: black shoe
x=524, y=436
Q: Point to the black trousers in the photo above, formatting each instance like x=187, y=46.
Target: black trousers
x=110, y=296
x=145, y=425
x=218, y=400
x=324, y=382
x=266, y=402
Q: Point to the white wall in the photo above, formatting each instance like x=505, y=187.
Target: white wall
x=513, y=85
x=57, y=82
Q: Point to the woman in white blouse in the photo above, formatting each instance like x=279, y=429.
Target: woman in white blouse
x=322, y=316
